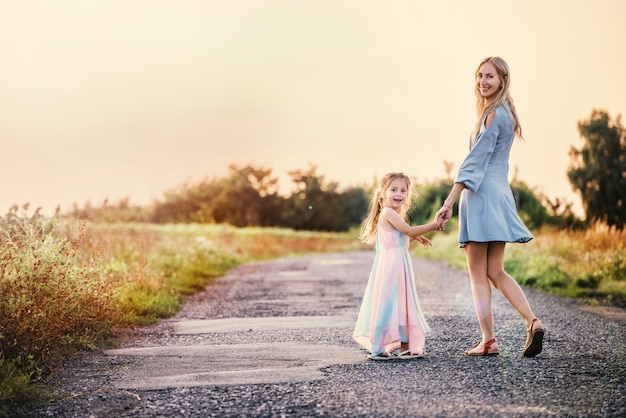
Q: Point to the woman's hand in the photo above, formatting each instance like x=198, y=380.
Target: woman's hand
x=442, y=217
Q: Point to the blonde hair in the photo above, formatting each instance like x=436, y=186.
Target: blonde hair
x=502, y=97
x=370, y=223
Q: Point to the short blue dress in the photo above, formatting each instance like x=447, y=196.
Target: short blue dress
x=487, y=210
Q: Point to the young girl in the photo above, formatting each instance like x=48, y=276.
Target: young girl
x=390, y=316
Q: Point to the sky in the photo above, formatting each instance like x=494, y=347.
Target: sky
x=118, y=99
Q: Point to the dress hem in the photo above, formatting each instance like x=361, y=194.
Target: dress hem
x=518, y=241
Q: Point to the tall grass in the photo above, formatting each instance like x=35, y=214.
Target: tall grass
x=589, y=265
x=68, y=285
x=156, y=266
x=52, y=304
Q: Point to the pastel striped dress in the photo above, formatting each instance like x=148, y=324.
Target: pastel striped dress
x=390, y=312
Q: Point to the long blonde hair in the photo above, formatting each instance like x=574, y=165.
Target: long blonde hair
x=502, y=96
x=370, y=223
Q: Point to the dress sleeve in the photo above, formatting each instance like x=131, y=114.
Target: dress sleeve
x=474, y=167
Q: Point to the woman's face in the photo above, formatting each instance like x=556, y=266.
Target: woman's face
x=487, y=81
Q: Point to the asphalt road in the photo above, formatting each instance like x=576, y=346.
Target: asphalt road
x=273, y=339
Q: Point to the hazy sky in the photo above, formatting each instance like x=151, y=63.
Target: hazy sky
x=132, y=98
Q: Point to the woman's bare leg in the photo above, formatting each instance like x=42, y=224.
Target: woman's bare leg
x=507, y=284
x=476, y=255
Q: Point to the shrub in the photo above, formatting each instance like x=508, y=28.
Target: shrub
x=51, y=304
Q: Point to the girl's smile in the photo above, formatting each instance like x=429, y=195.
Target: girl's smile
x=396, y=194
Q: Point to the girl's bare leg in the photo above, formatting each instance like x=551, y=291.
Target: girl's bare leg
x=476, y=254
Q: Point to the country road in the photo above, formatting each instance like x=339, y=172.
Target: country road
x=273, y=339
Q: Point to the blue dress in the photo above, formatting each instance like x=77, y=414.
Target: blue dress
x=487, y=210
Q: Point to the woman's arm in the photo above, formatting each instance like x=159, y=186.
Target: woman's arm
x=474, y=167
x=444, y=214
x=455, y=192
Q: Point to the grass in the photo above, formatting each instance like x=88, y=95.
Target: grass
x=52, y=304
x=68, y=285
x=157, y=266
x=589, y=265
x=445, y=247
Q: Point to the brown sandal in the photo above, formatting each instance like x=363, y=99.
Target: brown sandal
x=486, y=351
x=534, y=341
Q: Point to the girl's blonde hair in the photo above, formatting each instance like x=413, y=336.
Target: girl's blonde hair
x=370, y=223
x=502, y=96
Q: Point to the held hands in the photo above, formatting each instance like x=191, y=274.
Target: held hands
x=442, y=217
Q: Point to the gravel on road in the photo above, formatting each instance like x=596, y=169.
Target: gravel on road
x=273, y=339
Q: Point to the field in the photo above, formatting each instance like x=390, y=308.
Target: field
x=68, y=285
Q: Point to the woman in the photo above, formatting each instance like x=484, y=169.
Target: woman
x=487, y=214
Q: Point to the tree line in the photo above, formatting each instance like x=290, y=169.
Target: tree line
x=249, y=195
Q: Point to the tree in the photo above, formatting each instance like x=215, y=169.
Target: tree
x=318, y=205
x=243, y=197
x=314, y=204
x=429, y=198
x=529, y=205
x=598, y=169
x=190, y=202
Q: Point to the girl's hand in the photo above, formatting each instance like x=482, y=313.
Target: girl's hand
x=442, y=217
x=424, y=241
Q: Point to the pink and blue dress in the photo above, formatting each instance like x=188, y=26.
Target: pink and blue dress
x=390, y=312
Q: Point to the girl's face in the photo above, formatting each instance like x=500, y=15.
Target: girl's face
x=487, y=81
x=396, y=194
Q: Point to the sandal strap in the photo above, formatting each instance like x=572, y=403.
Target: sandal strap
x=488, y=345
x=532, y=324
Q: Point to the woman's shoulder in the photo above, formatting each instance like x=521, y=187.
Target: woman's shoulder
x=504, y=110
x=500, y=115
